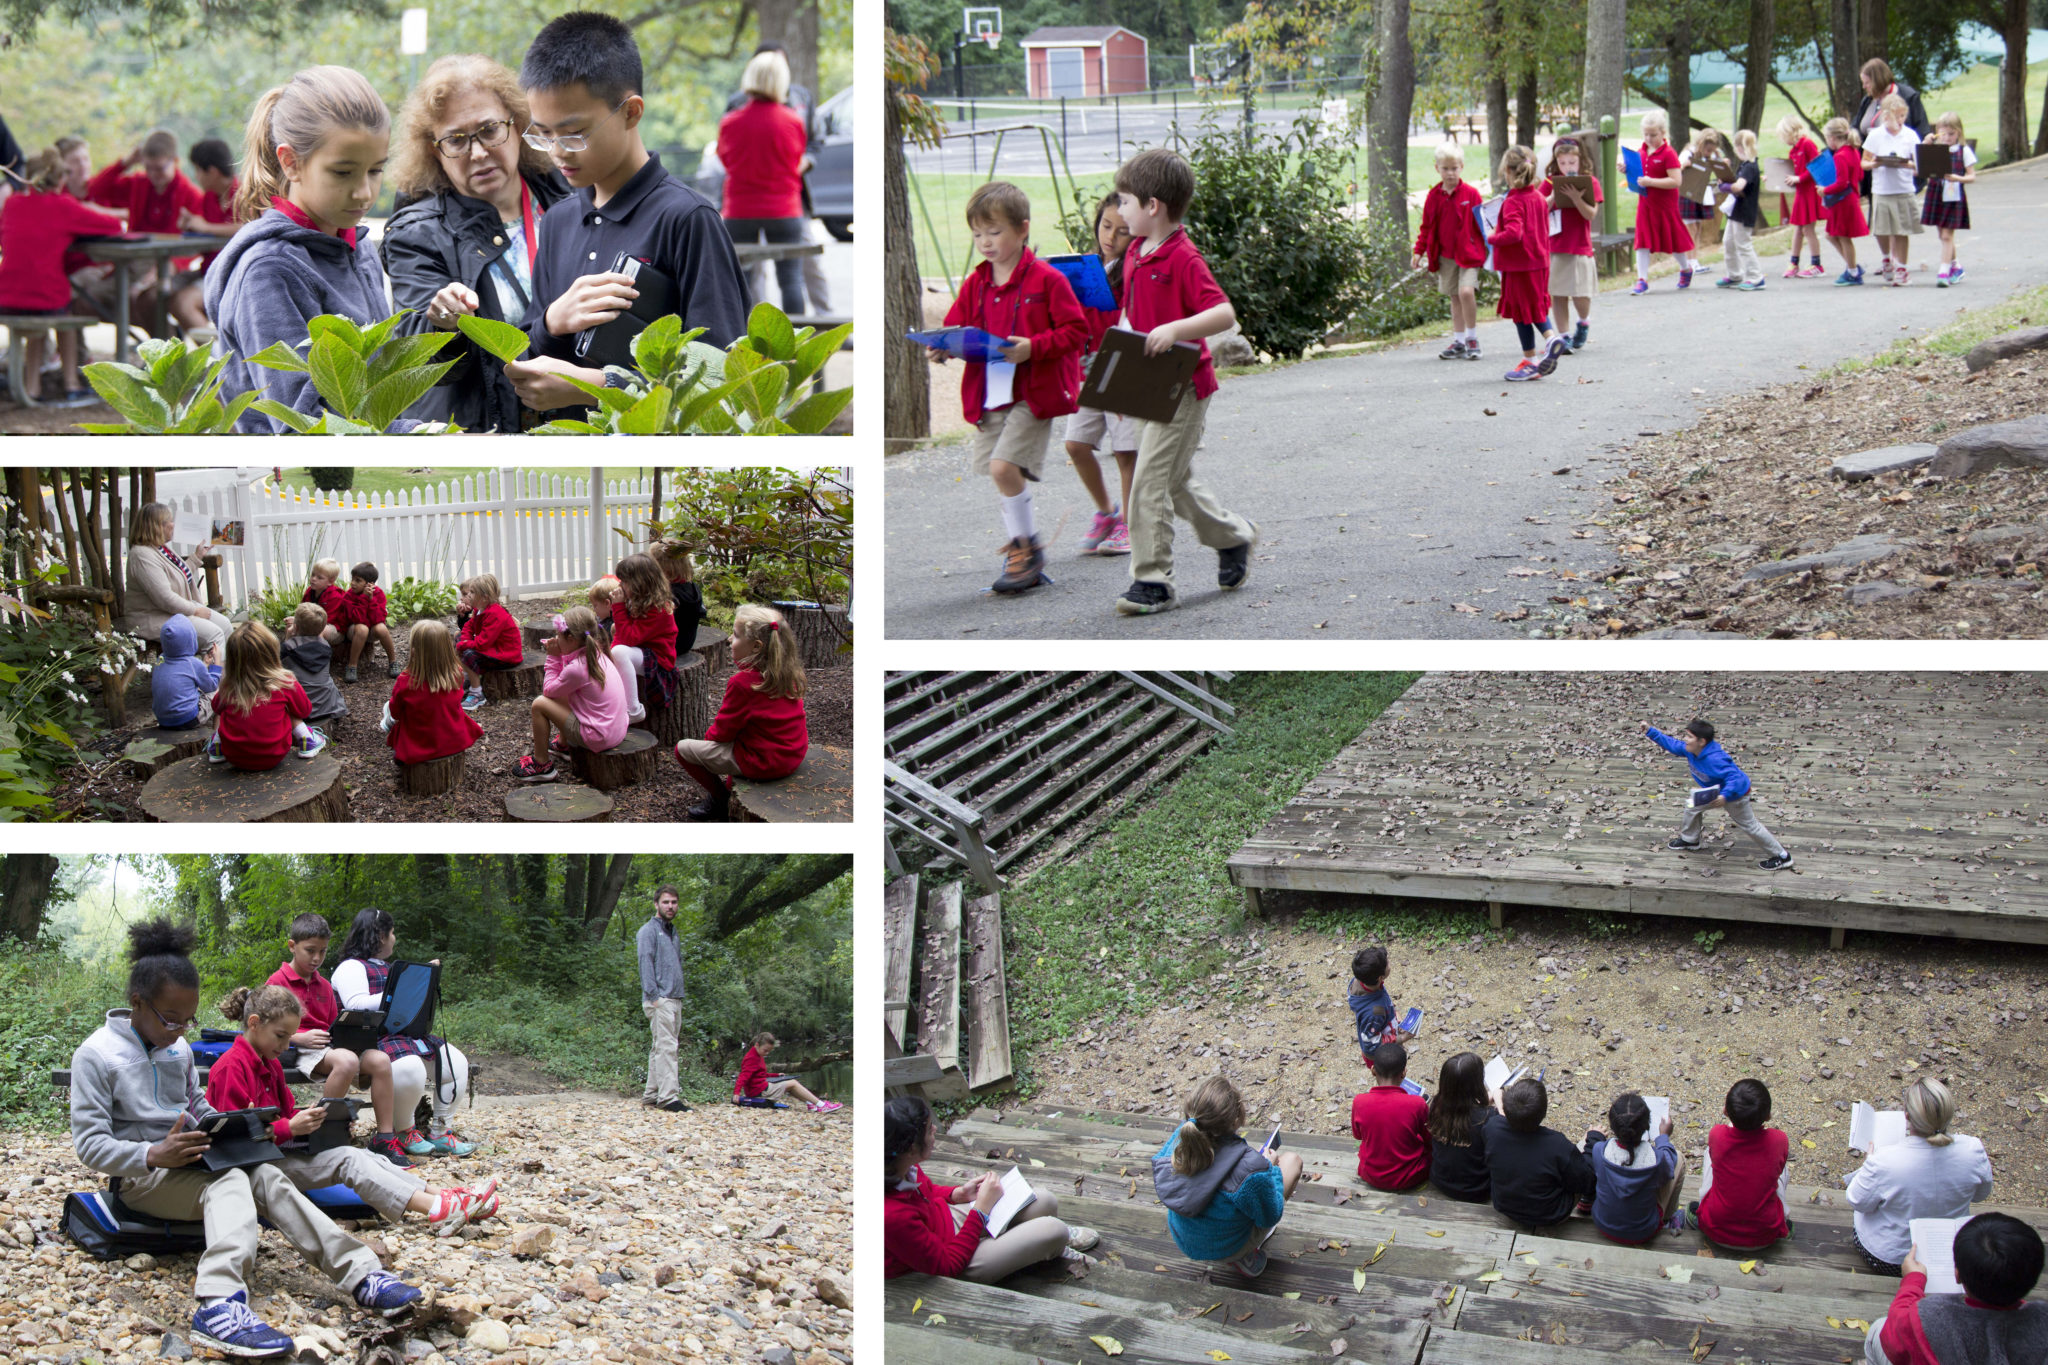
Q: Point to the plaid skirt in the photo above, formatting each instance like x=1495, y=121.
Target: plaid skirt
x=1940, y=213
x=658, y=686
x=1693, y=211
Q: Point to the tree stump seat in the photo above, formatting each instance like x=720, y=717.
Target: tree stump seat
x=688, y=714
x=183, y=744
x=511, y=684
x=435, y=776
x=551, y=803
x=714, y=646
x=819, y=791
x=819, y=630
x=628, y=763
x=295, y=791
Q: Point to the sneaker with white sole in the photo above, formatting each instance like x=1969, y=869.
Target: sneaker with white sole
x=1773, y=864
x=825, y=1107
x=1454, y=351
x=1082, y=1239
x=213, y=753
x=473, y=700
x=311, y=745
x=230, y=1328
x=1252, y=1266
x=1144, y=598
x=385, y=1294
x=1119, y=541
x=1099, y=530
x=1557, y=346
x=450, y=1212
x=1523, y=373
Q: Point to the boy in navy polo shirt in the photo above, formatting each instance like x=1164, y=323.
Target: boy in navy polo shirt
x=1170, y=296
x=1712, y=767
x=582, y=78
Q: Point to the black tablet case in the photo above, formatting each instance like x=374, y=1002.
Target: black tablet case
x=612, y=343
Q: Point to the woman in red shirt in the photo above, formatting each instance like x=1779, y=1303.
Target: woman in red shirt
x=37, y=228
x=761, y=145
x=925, y=1230
x=424, y=719
x=759, y=731
x=260, y=711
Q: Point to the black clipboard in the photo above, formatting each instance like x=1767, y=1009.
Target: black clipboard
x=337, y=1131
x=1125, y=380
x=356, y=1030
x=240, y=1137
x=611, y=343
x=1935, y=161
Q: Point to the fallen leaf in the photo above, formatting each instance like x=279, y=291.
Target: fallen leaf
x=915, y=1306
x=1036, y=1162
x=1110, y=1345
x=1834, y=1322
x=1338, y=1346
x=935, y=1319
x=1434, y=1232
x=1678, y=1274
x=1808, y=1143
x=1358, y=1279
x=1749, y=1267
x=1466, y=607
x=1243, y=1317
x=1219, y=1355
x=1210, y=1309
x=1378, y=1252
x=1291, y=1294
x=1489, y=1277
x=1858, y=1323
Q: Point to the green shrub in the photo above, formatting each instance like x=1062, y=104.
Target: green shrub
x=53, y=1005
x=333, y=478
x=417, y=599
x=366, y=376
x=274, y=607
x=175, y=393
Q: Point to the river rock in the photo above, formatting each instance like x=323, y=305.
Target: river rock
x=1868, y=464
x=140, y=1261
x=174, y=1347
x=461, y=1309
x=532, y=1239
x=1985, y=354
x=1879, y=590
x=1859, y=550
x=488, y=1334
x=2022, y=444
x=834, y=1291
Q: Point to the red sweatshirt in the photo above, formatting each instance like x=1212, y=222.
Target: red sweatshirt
x=242, y=1080
x=918, y=1236
x=1393, y=1131
x=1742, y=1208
x=430, y=725
x=36, y=233
x=768, y=736
x=753, y=1077
x=1449, y=231
x=653, y=633
x=1521, y=240
x=316, y=998
x=494, y=634
x=260, y=740
x=148, y=210
x=333, y=599
x=1036, y=303
x=365, y=608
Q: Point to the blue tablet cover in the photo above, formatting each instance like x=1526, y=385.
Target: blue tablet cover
x=1090, y=281
x=1632, y=162
x=964, y=343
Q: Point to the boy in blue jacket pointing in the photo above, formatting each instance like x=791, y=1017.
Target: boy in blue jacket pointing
x=1712, y=767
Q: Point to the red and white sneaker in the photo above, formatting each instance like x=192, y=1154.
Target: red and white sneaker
x=450, y=1212
x=1812, y=272
x=1098, y=531
x=482, y=1202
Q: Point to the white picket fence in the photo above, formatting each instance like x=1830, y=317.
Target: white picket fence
x=539, y=533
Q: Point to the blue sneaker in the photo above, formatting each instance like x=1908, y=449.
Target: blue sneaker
x=311, y=745
x=1556, y=347
x=1846, y=277
x=448, y=1142
x=473, y=700
x=385, y=1294
x=230, y=1328
x=1251, y=1266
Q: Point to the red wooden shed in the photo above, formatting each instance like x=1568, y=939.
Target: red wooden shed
x=1105, y=59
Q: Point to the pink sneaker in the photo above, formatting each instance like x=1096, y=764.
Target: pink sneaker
x=1812, y=272
x=1119, y=541
x=1901, y=277
x=1641, y=286
x=825, y=1107
x=1098, y=531
x=1792, y=270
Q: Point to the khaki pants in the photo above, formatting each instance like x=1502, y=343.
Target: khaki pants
x=375, y=1181
x=708, y=755
x=1163, y=487
x=1739, y=249
x=230, y=1203
x=1739, y=815
x=1035, y=1235
x=665, y=1017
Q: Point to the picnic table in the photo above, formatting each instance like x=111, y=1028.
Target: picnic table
x=123, y=253
x=751, y=252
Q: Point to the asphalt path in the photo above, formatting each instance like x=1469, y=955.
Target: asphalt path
x=1388, y=488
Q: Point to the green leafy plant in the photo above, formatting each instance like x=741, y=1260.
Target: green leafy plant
x=1709, y=939
x=333, y=478
x=679, y=386
x=419, y=599
x=366, y=377
x=274, y=607
x=175, y=392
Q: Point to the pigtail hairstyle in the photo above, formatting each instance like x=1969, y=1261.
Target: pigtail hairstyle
x=1930, y=1108
x=645, y=584
x=580, y=623
x=904, y=1122
x=253, y=668
x=430, y=664
x=159, y=955
x=365, y=934
x=301, y=114
x=246, y=1005
x=1214, y=1114
x=780, y=663
x=1629, y=1118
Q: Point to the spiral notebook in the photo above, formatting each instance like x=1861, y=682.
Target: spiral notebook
x=1017, y=1196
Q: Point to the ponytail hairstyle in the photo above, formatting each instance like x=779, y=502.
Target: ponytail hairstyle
x=430, y=663
x=580, y=624
x=779, y=662
x=301, y=114
x=1930, y=1108
x=244, y=1005
x=159, y=955
x=251, y=669
x=1745, y=144
x=645, y=584
x=905, y=1120
x=1518, y=168
x=1214, y=1114
x=1840, y=128
x=365, y=934
x=1629, y=1118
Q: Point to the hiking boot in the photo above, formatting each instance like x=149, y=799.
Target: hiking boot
x=311, y=745
x=1145, y=599
x=1556, y=347
x=385, y=1294
x=529, y=771
x=1234, y=562
x=1023, y=566
x=674, y=1106
x=1773, y=864
x=349, y=674
x=1454, y=351
x=391, y=1149
x=715, y=808
x=1099, y=530
x=1524, y=372
x=230, y=1328
x=1119, y=542
x=1681, y=845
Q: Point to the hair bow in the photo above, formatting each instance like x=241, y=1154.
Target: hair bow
x=561, y=624
x=775, y=625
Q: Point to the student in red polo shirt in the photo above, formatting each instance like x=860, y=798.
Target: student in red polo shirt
x=759, y=731
x=213, y=172
x=1170, y=296
x=1998, y=1263
x=1742, y=1206
x=38, y=224
x=300, y=974
x=154, y=198
x=260, y=712
x=1011, y=402
x=424, y=719
x=1391, y=1125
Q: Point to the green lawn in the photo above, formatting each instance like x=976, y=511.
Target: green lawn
x=393, y=479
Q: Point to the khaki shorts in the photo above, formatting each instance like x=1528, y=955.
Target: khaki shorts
x=1895, y=215
x=1452, y=277
x=1012, y=434
x=310, y=1057
x=572, y=731
x=1090, y=425
x=1573, y=277
x=777, y=1089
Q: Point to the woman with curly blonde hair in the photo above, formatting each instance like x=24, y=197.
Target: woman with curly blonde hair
x=471, y=195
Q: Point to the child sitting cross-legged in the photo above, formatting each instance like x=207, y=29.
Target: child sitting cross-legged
x=319, y=1007
x=251, y=1075
x=1223, y=1199
x=307, y=654
x=181, y=688
x=260, y=711
x=1742, y=1192
x=754, y=1081
x=759, y=731
x=368, y=620
x=1539, y=1177
x=1392, y=1125
x=584, y=697
x=1636, y=1174
x=1998, y=1263
x=427, y=716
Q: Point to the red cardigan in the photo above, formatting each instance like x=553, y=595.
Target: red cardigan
x=761, y=145
x=753, y=1077
x=1448, y=227
x=1039, y=304
x=1521, y=240
x=260, y=740
x=768, y=736
x=242, y=1080
x=430, y=725
x=653, y=633
x=1393, y=1131
x=318, y=1007
x=492, y=633
x=1742, y=1208
x=918, y=1236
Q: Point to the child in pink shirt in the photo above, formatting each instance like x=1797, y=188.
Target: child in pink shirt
x=584, y=696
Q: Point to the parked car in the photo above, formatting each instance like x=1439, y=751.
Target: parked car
x=831, y=180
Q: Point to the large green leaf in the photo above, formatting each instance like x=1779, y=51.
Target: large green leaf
x=769, y=329
x=815, y=413
x=336, y=424
x=645, y=417
x=291, y=417
x=375, y=337
x=127, y=391
x=341, y=329
x=761, y=397
x=161, y=358
x=692, y=414
x=716, y=421
x=106, y=428
x=710, y=357
x=278, y=356
x=655, y=349
x=567, y=426
x=407, y=353
x=339, y=374
x=392, y=395
x=501, y=339
x=812, y=355
x=742, y=361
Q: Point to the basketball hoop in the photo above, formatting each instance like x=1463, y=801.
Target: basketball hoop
x=993, y=39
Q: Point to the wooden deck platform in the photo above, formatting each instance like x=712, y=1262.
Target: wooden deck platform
x=1911, y=802
x=1358, y=1275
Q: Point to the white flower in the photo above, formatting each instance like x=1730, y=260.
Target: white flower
x=68, y=677
x=144, y=668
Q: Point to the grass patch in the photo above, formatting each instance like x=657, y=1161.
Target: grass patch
x=1974, y=327
x=597, y=1039
x=1141, y=916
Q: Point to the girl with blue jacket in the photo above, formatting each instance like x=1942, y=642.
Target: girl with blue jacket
x=1722, y=785
x=1222, y=1198
x=1636, y=1175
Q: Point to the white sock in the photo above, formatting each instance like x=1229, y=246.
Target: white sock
x=1642, y=264
x=1685, y=263
x=1471, y=336
x=1017, y=515
x=300, y=732
x=218, y=1298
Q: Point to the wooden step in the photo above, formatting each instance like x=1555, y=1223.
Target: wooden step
x=988, y=999
x=903, y=1344
x=1656, y=1326
x=899, y=939
x=938, y=987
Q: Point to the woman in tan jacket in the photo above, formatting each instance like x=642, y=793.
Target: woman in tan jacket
x=162, y=583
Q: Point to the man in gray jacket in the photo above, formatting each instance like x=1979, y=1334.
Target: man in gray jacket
x=661, y=995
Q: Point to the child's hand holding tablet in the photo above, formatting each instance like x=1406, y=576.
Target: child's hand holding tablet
x=591, y=301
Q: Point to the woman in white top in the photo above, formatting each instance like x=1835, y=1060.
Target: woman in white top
x=1930, y=1173
x=366, y=952
x=163, y=583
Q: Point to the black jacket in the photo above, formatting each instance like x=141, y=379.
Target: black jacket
x=447, y=238
x=1462, y=1173
x=1537, y=1177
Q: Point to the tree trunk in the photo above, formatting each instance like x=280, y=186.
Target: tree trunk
x=1497, y=138
x=606, y=896
x=572, y=885
x=906, y=379
x=24, y=892
x=1872, y=35
x=1606, y=57
x=118, y=537
x=1678, y=80
x=783, y=21
x=1528, y=109
x=1848, y=85
x=2012, y=84
x=1387, y=113
x=1756, y=63
x=2041, y=137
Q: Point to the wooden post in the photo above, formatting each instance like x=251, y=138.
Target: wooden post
x=1837, y=936
x=1254, y=907
x=1495, y=913
x=117, y=536
x=212, y=563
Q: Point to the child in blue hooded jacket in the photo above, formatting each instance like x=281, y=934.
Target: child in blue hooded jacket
x=182, y=686
x=1637, y=1175
x=1712, y=767
x=1222, y=1197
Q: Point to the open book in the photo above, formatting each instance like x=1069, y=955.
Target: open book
x=1499, y=1076
x=1017, y=1196
x=1660, y=1110
x=1934, y=1242
x=1870, y=1129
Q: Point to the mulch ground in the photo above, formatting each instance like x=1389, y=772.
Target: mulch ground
x=103, y=787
